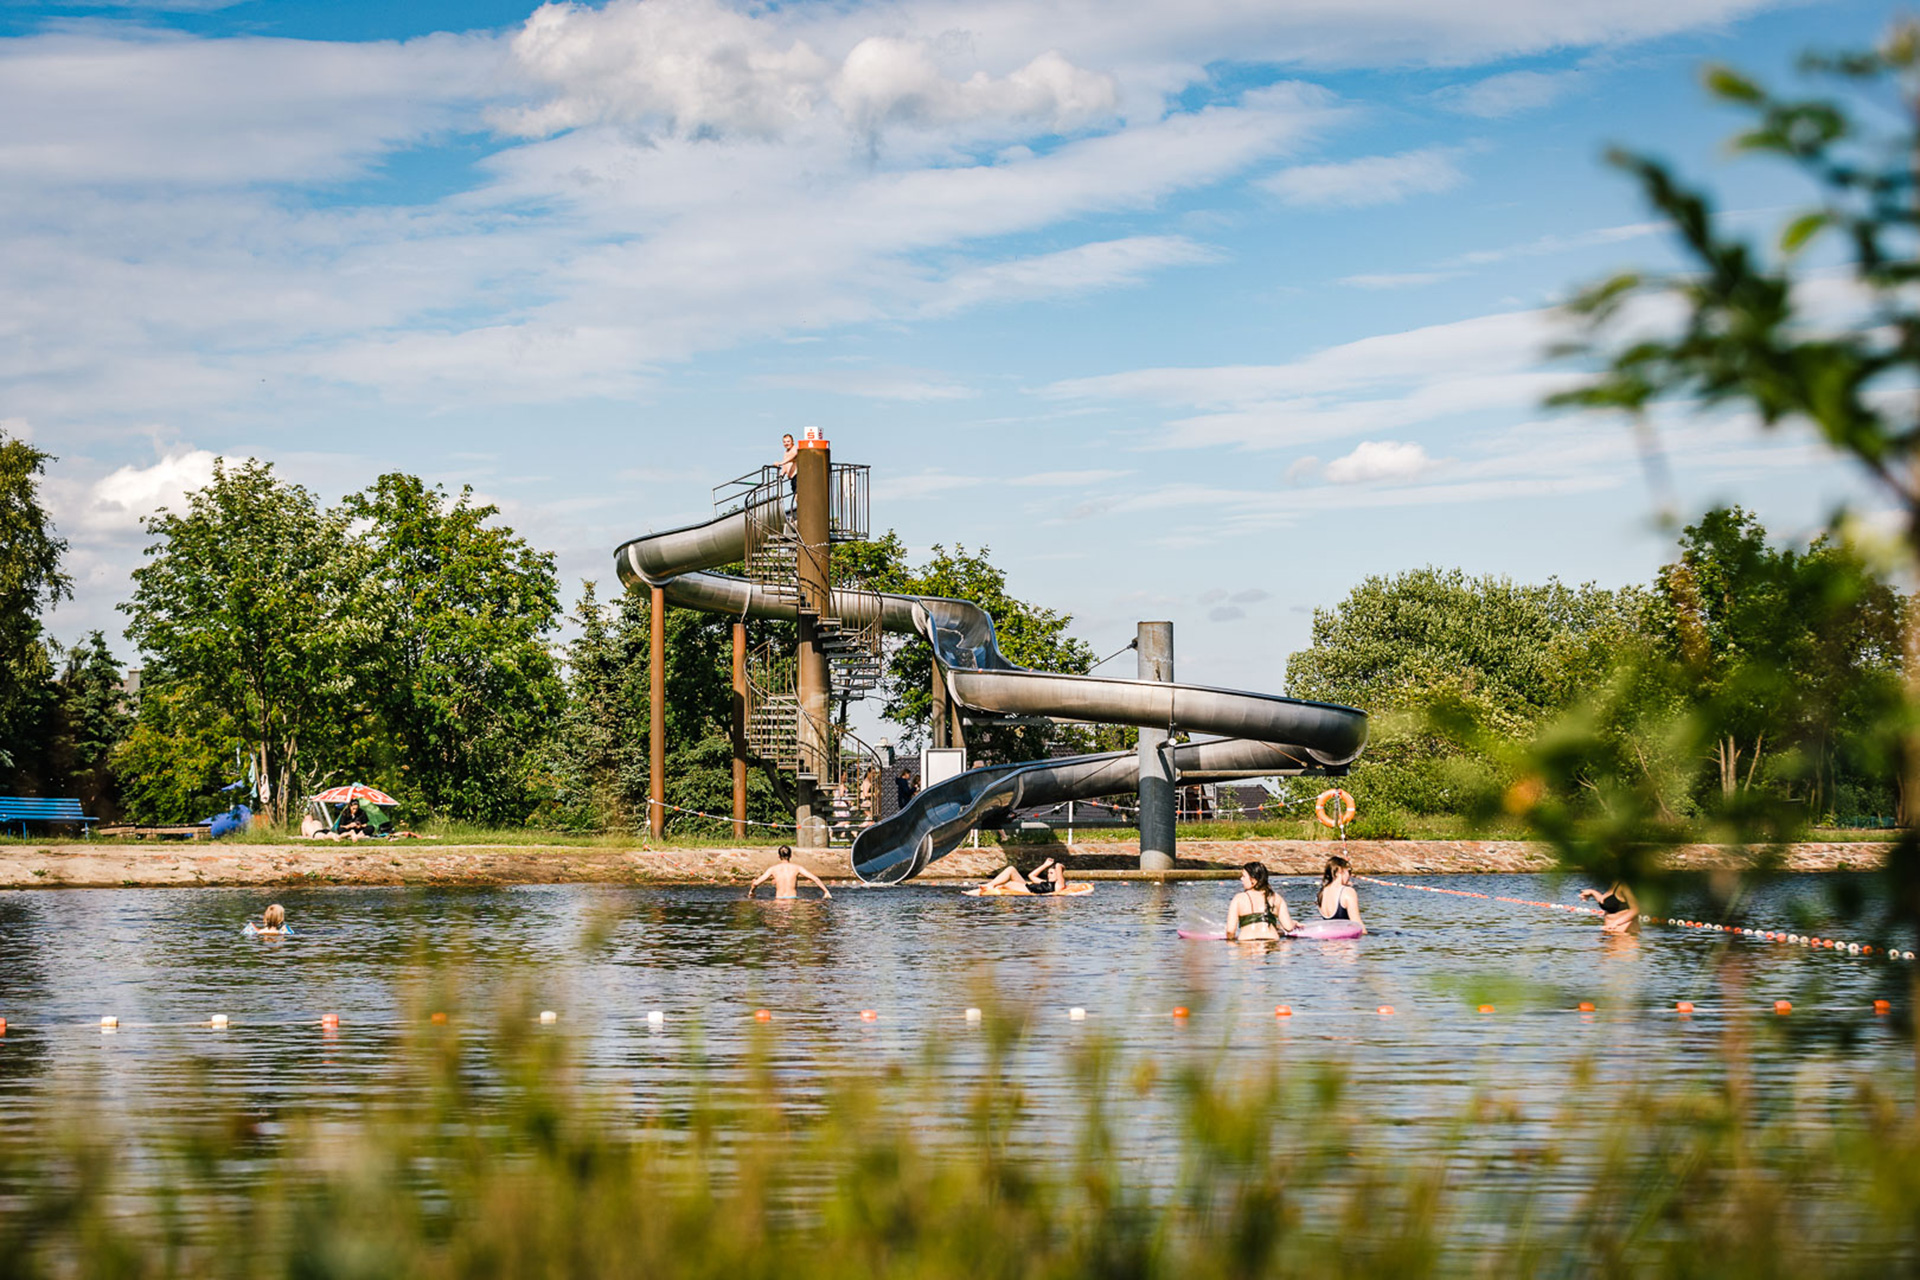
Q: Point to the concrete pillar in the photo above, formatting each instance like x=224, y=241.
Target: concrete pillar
x=657, y=719
x=739, y=730
x=812, y=494
x=1154, y=642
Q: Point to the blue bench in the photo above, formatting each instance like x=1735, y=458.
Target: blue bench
x=25, y=809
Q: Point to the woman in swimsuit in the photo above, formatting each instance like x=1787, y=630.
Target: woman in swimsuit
x=1257, y=913
x=1338, y=901
x=1620, y=910
x=1048, y=877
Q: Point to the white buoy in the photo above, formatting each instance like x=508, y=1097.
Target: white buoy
x=973, y=1015
x=548, y=1017
x=218, y=1020
x=1077, y=1014
x=655, y=1018
x=109, y=1023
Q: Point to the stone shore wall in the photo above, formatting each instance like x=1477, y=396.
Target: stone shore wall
x=83, y=864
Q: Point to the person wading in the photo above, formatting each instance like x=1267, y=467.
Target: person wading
x=786, y=878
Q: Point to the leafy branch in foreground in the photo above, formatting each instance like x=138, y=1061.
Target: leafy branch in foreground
x=1833, y=347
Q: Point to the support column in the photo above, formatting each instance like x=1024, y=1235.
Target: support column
x=812, y=481
x=739, y=730
x=937, y=737
x=657, y=708
x=1154, y=641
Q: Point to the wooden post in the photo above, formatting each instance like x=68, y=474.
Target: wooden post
x=813, y=518
x=739, y=730
x=937, y=735
x=657, y=723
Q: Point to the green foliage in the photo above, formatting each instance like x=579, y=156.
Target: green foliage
x=1441, y=661
x=494, y=1155
x=176, y=757
x=30, y=580
x=449, y=662
x=1028, y=634
x=598, y=763
x=241, y=606
x=1813, y=641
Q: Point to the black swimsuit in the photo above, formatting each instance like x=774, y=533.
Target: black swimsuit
x=1040, y=886
x=1611, y=904
x=1339, y=912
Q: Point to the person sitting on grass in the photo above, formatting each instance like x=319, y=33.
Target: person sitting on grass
x=1049, y=877
x=353, y=822
x=786, y=877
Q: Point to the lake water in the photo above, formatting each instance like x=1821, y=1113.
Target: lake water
x=601, y=958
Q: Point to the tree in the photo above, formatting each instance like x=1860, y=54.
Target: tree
x=449, y=656
x=1028, y=634
x=90, y=721
x=240, y=609
x=1441, y=660
x=30, y=580
x=176, y=757
x=1752, y=335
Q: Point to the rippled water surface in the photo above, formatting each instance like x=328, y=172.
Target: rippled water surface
x=163, y=961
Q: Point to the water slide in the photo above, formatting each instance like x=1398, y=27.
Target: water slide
x=1260, y=734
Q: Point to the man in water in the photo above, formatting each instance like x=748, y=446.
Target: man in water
x=786, y=878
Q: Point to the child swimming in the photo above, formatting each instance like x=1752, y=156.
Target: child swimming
x=273, y=921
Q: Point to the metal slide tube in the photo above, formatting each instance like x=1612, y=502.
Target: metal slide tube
x=1263, y=734
x=1153, y=644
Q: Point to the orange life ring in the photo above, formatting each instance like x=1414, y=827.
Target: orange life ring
x=1347, y=809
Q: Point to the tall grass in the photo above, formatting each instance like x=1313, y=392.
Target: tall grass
x=493, y=1156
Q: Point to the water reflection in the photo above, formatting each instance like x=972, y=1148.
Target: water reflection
x=603, y=956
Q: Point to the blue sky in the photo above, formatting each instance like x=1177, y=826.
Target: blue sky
x=1200, y=312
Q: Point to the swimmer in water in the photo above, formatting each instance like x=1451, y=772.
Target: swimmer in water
x=786, y=878
x=1338, y=901
x=1048, y=877
x=1620, y=910
x=272, y=920
x=1257, y=913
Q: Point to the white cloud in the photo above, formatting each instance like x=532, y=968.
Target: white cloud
x=1370, y=180
x=1399, y=280
x=83, y=107
x=1104, y=265
x=1302, y=469
x=1509, y=94
x=1374, y=460
x=697, y=68
x=1066, y=479
x=119, y=500
x=906, y=385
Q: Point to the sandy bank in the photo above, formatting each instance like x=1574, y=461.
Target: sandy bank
x=96, y=864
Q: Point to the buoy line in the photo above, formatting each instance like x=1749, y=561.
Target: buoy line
x=1740, y=931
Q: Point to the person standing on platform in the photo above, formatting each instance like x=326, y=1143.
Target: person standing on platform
x=903, y=790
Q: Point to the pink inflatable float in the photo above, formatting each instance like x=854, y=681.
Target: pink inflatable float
x=1311, y=931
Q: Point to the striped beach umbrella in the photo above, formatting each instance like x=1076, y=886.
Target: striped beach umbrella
x=355, y=791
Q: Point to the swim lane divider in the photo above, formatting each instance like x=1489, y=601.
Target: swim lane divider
x=1738, y=931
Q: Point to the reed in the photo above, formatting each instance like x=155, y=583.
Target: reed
x=493, y=1156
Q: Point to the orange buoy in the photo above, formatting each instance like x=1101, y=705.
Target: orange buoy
x=1586, y=1006
x=763, y=1015
x=1179, y=1011
x=869, y=1015
x=1879, y=1006
x=3, y=1026
x=439, y=1019
x=329, y=1019
x=1783, y=1006
x=1283, y=1011
x=1486, y=1008
x=1684, y=1006
x=1347, y=809
x=1386, y=1009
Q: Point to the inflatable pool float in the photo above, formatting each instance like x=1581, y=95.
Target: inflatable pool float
x=1066, y=891
x=1311, y=931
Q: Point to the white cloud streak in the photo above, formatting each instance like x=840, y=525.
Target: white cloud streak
x=1369, y=180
